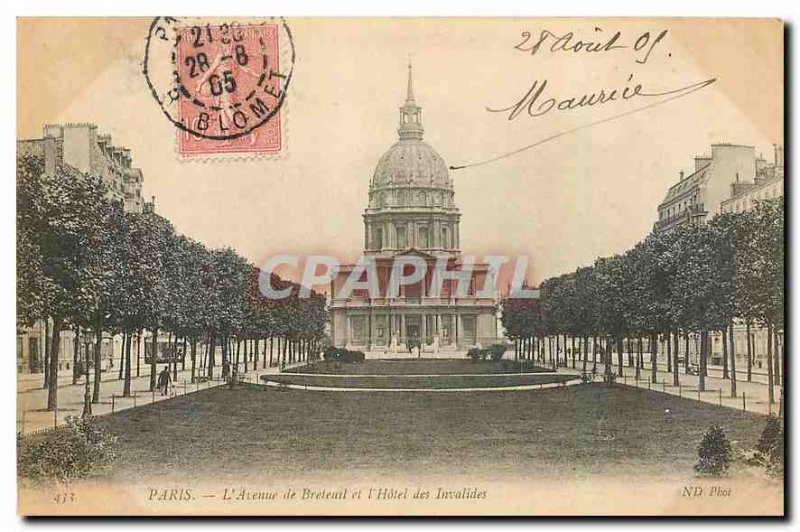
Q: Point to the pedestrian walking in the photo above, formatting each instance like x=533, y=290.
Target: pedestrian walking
x=164, y=380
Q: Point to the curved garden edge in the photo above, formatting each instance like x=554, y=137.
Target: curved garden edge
x=419, y=375
x=522, y=387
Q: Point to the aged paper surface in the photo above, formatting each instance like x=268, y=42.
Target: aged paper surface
x=308, y=266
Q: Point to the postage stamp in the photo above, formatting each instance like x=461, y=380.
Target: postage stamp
x=221, y=83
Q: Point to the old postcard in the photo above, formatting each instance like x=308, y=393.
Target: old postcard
x=400, y=266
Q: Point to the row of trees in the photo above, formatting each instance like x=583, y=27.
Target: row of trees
x=693, y=280
x=85, y=264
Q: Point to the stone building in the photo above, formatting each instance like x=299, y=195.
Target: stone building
x=81, y=147
x=731, y=174
x=411, y=212
x=767, y=184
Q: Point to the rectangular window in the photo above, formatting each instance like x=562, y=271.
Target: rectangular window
x=468, y=329
x=446, y=334
x=358, y=330
x=423, y=236
x=381, y=325
x=430, y=325
x=402, y=242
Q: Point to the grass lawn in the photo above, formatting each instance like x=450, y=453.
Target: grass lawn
x=256, y=431
x=401, y=381
x=419, y=367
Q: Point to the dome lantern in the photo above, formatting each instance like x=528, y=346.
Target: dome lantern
x=411, y=197
x=410, y=114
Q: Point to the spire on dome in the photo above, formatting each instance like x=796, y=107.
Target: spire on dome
x=410, y=93
x=410, y=114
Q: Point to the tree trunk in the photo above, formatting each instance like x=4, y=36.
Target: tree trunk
x=776, y=365
x=175, y=359
x=121, y=357
x=52, y=385
x=126, y=389
x=271, y=345
x=627, y=343
x=779, y=354
x=153, y=355
x=235, y=364
x=75, y=348
x=572, y=343
x=225, y=361
x=46, y=365
x=669, y=351
x=686, y=355
x=585, y=351
x=749, y=352
x=98, y=357
x=121, y=372
x=183, y=355
x=638, y=358
x=620, y=357
x=770, y=373
x=194, y=359
x=733, y=359
x=87, y=389
x=654, y=358
x=701, y=384
x=594, y=354
x=675, y=366
x=139, y=352
x=725, y=353
x=210, y=363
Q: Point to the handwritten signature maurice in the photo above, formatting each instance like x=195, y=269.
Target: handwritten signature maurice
x=537, y=101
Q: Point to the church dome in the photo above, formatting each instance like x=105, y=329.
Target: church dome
x=411, y=197
x=411, y=163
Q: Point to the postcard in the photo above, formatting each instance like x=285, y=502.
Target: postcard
x=287, y=266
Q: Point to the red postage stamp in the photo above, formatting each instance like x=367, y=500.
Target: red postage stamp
x=231, y=89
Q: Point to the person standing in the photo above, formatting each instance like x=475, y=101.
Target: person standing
x=164, y=380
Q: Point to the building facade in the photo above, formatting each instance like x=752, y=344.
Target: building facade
x=81, y=147
x=767, y=184
x=731, y=176
x=411, y=213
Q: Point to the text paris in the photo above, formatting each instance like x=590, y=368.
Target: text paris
x=537, y=101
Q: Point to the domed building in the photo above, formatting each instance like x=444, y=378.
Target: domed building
x=411, y=213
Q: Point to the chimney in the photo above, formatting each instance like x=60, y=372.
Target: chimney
x=50, y=156
x=778, y=154
x=681, y=174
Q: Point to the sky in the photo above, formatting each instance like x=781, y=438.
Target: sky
x=584, y=194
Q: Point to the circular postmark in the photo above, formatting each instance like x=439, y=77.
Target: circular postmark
x=219, y=80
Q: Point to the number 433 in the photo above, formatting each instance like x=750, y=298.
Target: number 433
x=64, y=497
